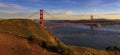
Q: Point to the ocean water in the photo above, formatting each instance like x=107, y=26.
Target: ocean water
x=99, y=38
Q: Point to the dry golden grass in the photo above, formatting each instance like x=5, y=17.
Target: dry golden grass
x=31, y=31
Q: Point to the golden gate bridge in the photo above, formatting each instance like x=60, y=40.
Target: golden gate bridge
x=41, y=14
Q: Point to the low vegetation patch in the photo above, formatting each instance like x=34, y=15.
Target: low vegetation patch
x=113, y=48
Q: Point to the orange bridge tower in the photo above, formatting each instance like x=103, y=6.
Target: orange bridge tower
x=42, y=18
x=92, y=21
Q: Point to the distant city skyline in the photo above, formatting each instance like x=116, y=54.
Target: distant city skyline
x=109, y=9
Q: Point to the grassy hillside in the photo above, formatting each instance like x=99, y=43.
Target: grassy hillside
x=15, y=45
x=90, y=51
x=35, y=34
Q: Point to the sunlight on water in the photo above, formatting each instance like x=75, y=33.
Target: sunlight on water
x=115, y=28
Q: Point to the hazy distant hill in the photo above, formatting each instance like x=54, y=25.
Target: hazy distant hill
x=101, y=21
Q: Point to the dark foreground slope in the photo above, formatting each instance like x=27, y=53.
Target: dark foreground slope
x=25, y=37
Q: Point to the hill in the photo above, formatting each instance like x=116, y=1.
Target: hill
x=31, y=32
x=25, y=37
x=102, y=21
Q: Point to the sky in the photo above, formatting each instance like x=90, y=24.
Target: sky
x=64, y=9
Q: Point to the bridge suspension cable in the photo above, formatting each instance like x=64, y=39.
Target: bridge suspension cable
x=55, y=26
x=35, y=13
x=51, y=15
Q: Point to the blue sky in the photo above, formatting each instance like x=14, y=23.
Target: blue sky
x=23, y=8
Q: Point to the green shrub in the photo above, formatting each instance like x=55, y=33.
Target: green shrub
x=113, y=48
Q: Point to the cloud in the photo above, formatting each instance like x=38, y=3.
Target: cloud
x=68, y=13
x=94, y=2
x=54, y=12
x=34, y=0
x=60, y=12
x=18, y=14
x=103, y=6
x=70, y=1
x=65, y=15
x=11, y=6
x=102, y=3
x=112, y=4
